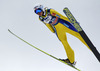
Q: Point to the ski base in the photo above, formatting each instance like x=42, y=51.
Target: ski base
x=43, y=51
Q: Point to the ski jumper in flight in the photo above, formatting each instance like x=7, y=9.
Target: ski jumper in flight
x=60, y=25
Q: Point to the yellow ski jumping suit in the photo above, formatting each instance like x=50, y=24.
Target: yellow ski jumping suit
x=61, y=25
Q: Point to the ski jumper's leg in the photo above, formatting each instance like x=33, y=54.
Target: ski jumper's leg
x=81, y=39
x=76, y=34
x=61, y=33
x=73, y=31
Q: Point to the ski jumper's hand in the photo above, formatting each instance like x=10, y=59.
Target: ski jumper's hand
x=50, y=27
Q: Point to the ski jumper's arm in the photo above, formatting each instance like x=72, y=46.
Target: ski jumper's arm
x=55, y=13
x=49, y=26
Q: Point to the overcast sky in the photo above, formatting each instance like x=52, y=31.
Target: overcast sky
x=19, y=17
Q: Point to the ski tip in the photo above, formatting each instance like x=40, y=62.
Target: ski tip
x=8, y=30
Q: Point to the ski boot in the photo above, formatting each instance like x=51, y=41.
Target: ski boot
x=68, y=62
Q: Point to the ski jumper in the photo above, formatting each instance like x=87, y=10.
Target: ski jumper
x=61, y=25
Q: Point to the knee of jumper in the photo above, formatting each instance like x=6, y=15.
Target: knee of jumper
x=63, y=40
x=62, y=37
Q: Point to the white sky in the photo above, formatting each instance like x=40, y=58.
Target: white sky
x=18, y=16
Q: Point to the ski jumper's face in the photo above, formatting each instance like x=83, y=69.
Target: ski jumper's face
x=40, y=13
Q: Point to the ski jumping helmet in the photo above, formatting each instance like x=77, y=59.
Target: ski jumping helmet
x=38, y=8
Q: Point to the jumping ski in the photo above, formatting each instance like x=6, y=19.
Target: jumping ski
x=81, y=32
x=43, y=51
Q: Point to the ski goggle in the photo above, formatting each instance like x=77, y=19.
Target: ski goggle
x=38, y=11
